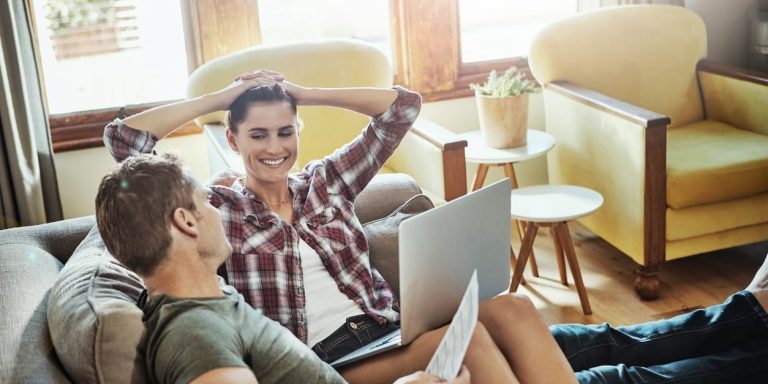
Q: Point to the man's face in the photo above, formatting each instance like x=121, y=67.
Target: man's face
x=212, y=242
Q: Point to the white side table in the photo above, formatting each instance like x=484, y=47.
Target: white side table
x=553, y=206
x=537, y=144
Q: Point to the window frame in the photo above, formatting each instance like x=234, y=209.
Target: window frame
x=433, y=67
x=430, y=66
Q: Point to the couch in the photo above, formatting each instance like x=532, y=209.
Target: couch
x=677, y=145
x=68, y=309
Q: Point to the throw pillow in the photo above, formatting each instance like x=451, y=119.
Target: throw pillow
x=95, y=324
x=383, y=239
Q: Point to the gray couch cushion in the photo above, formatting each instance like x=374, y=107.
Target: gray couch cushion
x=95, y=324
x=384, y=194
x=27, y=354
x=382, y=235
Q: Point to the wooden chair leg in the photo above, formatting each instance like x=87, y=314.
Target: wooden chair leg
x=482, y=171
x=559, y=255
x=509, y=171
x=520, y=226
x=534, y=266
x=525, y=251
x=513, y=262
x=570, y=254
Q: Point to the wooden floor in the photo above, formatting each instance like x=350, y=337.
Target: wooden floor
x=687, y=283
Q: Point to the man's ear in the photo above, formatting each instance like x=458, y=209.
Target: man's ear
x=185, y=221
x=232, y=140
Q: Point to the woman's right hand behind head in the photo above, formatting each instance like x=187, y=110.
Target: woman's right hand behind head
x=244, y=82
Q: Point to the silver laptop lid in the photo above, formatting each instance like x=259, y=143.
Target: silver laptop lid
x=441, y=247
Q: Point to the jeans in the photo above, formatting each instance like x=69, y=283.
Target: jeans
x=354, y=333
x=726, y=343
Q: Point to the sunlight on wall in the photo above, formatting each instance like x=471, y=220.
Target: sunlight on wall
x=79, y=172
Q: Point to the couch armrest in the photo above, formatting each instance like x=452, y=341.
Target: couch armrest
x=734, y=96
x=434, y=156
x=619, y=150
x=385, y=193
x=58, y=238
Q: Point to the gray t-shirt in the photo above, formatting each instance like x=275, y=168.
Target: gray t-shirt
x=188, y=337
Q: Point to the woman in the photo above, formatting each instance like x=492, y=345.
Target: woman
x=299, y=252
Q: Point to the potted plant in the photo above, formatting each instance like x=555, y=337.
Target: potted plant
x=502, y=105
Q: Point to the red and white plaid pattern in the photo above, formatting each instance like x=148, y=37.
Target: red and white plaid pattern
x=265, y=265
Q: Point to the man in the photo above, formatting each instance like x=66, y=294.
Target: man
x=155, y=218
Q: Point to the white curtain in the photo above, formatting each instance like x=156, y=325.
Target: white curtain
x=585, y=5
x=28, y=190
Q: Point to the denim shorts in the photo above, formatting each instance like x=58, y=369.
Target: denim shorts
x=354, y=333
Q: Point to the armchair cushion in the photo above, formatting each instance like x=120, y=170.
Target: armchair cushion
x=711, y=162
x=95, y=324
x=714, y=219
x=735, y=101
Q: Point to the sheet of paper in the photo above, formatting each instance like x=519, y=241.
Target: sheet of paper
x=446, y=362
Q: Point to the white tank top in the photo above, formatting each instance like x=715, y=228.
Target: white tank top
x=327, y=308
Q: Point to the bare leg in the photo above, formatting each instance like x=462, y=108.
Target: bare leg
x=484, y=360
x=523, y=336
x=759, y=284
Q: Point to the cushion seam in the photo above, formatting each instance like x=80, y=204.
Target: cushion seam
x=99, y=334
x=401, y=207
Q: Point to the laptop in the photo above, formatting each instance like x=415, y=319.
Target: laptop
x=439, y=250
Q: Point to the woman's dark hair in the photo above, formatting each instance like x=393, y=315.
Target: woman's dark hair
x=265, y=94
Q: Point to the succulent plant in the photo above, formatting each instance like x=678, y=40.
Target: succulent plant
x=510, y=83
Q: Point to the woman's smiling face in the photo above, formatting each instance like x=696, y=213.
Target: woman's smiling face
x=267, y=140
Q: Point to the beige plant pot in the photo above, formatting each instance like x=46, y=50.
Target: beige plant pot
x=503, y=120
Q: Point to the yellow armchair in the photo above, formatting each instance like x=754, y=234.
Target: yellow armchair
x=677, y=145
x=431, y=154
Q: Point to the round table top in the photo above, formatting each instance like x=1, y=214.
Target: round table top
x=537, y=143
x=553, y=203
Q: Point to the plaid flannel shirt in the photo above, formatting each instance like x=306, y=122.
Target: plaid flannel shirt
x=265, y=265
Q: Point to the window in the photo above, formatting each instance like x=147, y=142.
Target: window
x=499, y=29
x=99, y=54
x=287, y=20
x=429, y=40
x=138, y=53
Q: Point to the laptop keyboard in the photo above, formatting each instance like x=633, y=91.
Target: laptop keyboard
x=388, y=340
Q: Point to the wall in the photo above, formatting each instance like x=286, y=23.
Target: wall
x=728, y=24
x=79, y=172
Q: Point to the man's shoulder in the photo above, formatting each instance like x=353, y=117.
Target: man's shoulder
x=188, y=337
x=163, y=311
